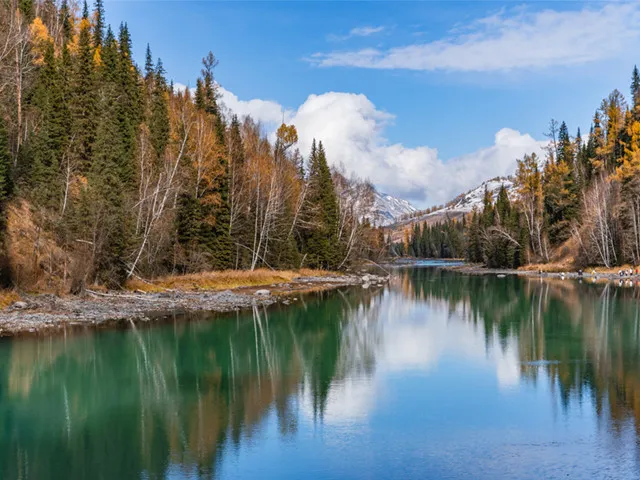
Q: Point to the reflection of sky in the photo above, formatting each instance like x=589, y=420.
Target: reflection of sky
x=416, y=338
x=440, y=403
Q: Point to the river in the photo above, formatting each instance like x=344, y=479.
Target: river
x=437, y=375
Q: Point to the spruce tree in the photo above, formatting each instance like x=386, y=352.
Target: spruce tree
x=321, y=244
x=98, y=28
x=5, y=162
x=83, y=99
x=159, y=121
x=635, y=93
x=39, y=165
x=129, y=107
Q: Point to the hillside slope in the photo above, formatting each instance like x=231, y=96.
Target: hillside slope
x=459, y=206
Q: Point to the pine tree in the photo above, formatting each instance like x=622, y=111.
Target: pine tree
x=635, y=93
x=241, y=229
x=66, y=21
x=149, y=76
x=98, y=28
x=321, y=239
x=46, y=145
x=474, y=244
x=129, y=112
x=565, y=146
x=5, y=162
x=221, y=245
x=503, y=207
x=159, y=121
x=83, y=98
x=487, y=217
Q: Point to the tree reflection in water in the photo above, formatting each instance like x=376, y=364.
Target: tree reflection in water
x=146, y=402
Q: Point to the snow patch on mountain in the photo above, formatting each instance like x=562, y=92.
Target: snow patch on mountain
x=473, y=198
x=462, y=204
x=387, y=209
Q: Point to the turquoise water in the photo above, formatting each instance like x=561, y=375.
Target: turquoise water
x=438, y=375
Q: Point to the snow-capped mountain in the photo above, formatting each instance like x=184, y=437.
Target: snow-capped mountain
x=466, y=202
x=463, y=203
x=387, y=209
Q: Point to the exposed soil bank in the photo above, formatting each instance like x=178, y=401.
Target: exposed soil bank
x=40, y=314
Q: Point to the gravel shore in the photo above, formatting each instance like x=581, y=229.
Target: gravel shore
x=44, y=314
x=476, y=269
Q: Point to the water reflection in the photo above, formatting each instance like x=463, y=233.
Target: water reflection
x=349, y=373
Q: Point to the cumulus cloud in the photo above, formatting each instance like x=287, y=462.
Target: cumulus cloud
x=267, y=111
x=509, y=40
x=352, y=131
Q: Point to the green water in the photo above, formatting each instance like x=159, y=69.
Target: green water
x=437, y=375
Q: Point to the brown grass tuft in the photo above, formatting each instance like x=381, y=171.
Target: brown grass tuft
x=8, y=298
x=221, y=280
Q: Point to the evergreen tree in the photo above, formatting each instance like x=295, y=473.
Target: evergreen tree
x=66, y=20
x=159, y=121
x=39, y=166
x=487, y=209
x=241, y=228
x=635, y=93
x=98, y=28
x=129, y=108
x=5, y=162
x=321, y=239
x=474, y=242
x=83, y=98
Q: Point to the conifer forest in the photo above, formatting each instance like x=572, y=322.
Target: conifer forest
x=108, y=172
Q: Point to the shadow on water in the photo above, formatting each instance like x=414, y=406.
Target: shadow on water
x=150, y=402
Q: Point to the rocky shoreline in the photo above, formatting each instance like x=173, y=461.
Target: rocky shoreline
x=477, y=269
x=47, y=314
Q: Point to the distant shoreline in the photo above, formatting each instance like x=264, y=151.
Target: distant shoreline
x=479, y=269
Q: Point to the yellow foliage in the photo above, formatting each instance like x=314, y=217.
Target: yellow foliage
x=288, y=135
x=39, y=37
x=630, y=165
x=97, y=59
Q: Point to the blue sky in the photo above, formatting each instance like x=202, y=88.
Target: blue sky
x=439, y=95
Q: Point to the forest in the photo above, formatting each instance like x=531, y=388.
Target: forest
x=108, y=172
x=578, y=206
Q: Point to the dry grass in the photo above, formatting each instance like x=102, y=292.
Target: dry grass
x=567, y=267
x=552, y=267
x=8, y=298
x=222, y=280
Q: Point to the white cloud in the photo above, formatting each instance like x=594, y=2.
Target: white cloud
x=268, y=112
x=509, y=40
x=365, y=31
x=352, y=131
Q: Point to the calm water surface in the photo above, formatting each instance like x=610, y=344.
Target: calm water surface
x=437, y=375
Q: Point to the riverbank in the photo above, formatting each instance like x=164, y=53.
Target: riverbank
x=45, y=313
x=598, y=273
